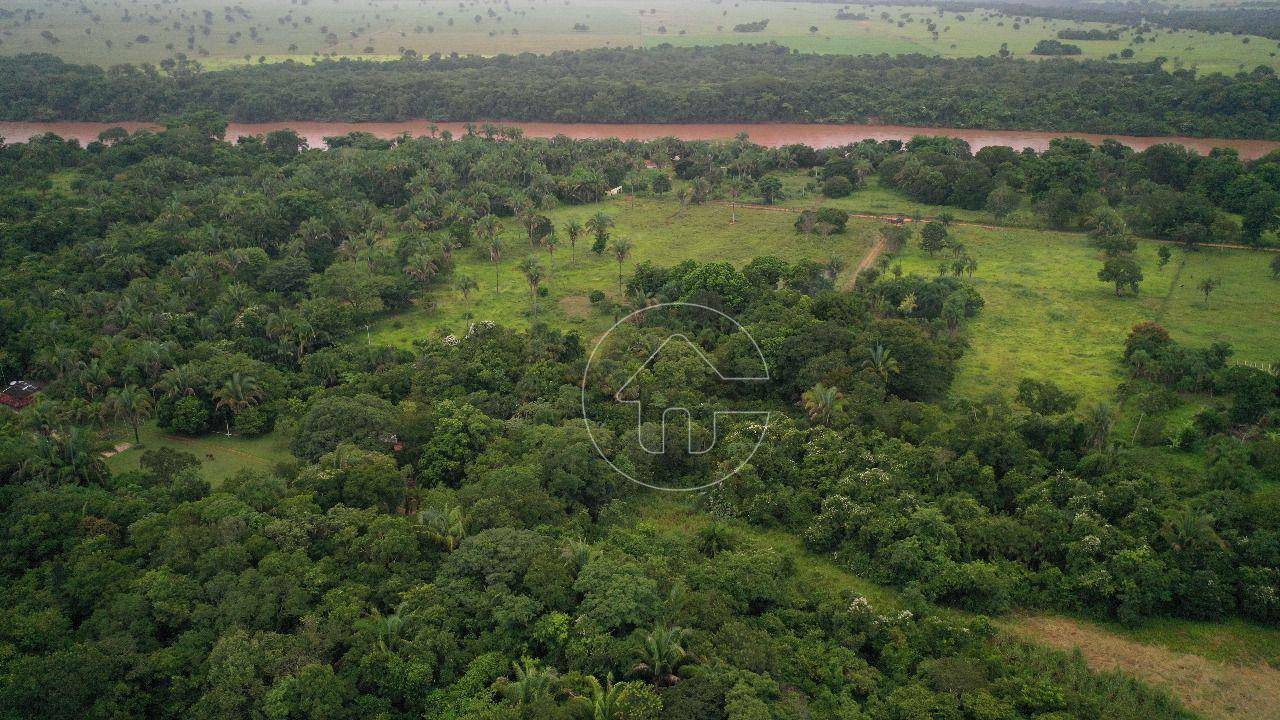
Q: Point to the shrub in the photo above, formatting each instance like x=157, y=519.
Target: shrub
x=832, y=220
x=255, y=420
x=188, y=415
x=837, y=186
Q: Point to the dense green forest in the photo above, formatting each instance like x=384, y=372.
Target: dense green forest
x=446, y=543
x=727, y=83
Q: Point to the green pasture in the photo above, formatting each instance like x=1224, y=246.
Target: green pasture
x=1048, y=316
x=383, y=28
x=220, y=456
x=659, y=231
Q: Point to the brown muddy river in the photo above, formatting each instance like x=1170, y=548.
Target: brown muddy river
x=769, y=134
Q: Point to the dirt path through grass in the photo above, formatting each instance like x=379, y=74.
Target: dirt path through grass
x=1216, y=690
x=872, y=255
x=1173, y=286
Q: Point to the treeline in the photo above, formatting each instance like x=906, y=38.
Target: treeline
x=1245, y=19
x=667, y=85
x=1082, y=34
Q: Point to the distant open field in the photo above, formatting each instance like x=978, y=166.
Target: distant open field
x=106, y=32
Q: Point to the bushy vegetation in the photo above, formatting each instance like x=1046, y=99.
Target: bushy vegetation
x=666, y=85
x=1055, y=47
x=445, y=540
x=1165, y=191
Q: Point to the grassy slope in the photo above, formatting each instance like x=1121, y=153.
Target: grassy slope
x=659, y=233
x=386, y=26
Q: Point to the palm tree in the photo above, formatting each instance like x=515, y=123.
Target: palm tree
x=662, y=655
x=74, y=455
x=822, y=403
x=532, y=222
x=533, y=274
x=621, y=251
x=182, y=380
x=531, y=683
x=573, y=229
x=465, y=285
x=486, y=229
x=1099, y=421
x=599, y=225
x=495, y=257
x=549, y=242
x=240, y=391
x=421, y=267
x=390, y=630
x=578, y=553
x=1185, y=529
x=605, y=702
x=132, y=404
x=882, y=363
x=447, y=526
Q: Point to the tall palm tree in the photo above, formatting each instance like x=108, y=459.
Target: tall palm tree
x=533, y=223
x=494, y=247
x=549, y=242
x=533, y=274
x=573, y=229
x=882, y=363
x=240, y=391
x=621, y=251
x=131, y=404
x=822, y=403
x=73, y=455
x=486, y=229
x=465, y=284
x=662, y=655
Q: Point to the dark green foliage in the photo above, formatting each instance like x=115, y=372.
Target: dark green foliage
x=837, y=186
x=1086, y=96
x=1055, y=47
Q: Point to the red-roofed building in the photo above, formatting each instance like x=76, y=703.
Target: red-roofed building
x=19, y=394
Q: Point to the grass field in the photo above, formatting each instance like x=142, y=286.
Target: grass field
x=220, y=456
x=1047, y=314
x=381, y=28
x=659, y=232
